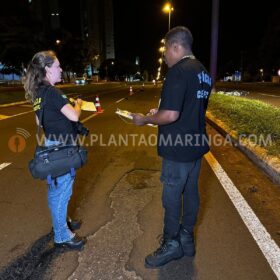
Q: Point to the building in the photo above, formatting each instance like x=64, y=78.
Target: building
x=97, y=26
x=92, y=20
x=48, y=11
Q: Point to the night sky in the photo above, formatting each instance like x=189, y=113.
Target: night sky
x=140, y=25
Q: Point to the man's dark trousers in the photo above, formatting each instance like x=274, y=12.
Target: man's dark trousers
x=180, y=182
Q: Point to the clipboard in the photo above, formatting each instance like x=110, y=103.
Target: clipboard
x=128, y=115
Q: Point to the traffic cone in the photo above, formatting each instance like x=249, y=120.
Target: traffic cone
x=98, y=105
x=130, y=91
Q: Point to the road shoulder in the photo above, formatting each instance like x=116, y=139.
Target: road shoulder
x=269, y=164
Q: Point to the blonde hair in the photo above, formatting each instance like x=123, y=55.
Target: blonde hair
x=36, y=73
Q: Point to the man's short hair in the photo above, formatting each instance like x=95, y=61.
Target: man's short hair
x=180, y=35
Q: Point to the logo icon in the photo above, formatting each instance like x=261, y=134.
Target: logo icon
x=17, y=142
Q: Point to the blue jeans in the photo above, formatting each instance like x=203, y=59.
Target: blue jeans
x=59, y=194
x=180, y=196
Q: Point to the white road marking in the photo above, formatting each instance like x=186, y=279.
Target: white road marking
x=90, y=117
x=3, y=117
x=120, y=100
x=8, y=117
x=21, y=114
x=269, y=248
x=5, y=164
x=27, y=106
x=13, y=104
x=271, y=95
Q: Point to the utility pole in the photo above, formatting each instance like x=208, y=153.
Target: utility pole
x=241, y=64
x=214, y=39
x=169, y=19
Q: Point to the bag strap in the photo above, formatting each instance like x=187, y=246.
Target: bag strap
x=43, y=103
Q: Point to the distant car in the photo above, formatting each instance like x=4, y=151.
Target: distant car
x=80, y=81
x=137, y=78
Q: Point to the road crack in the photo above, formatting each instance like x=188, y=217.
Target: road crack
x=107, y=252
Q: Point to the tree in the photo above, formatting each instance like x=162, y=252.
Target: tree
x=20, y=38
x=120, y=69
x=73, y=52
x=146, y=75
x=269, y=50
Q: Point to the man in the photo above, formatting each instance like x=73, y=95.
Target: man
x=182, y=142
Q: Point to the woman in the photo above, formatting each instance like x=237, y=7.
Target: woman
x=42, y=74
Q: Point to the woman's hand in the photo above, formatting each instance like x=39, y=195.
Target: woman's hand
x=78, y=102
x=73, y=112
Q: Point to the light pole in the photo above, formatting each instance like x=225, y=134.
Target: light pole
x=106, y=68
x=214, y=39
x=167, y=8
x=161, y=50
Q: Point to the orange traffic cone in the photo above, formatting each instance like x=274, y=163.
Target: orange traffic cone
x=130, y=91
x=98, y=105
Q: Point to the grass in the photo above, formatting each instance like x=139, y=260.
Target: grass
x=249, y=117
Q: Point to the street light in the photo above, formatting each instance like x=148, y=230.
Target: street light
x=261, y=73
x=167, y=8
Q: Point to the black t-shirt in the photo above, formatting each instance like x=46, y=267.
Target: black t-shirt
x=56, y=125
x=186, y=89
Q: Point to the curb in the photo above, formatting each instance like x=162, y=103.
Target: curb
x=269, y=164
x=13, y=104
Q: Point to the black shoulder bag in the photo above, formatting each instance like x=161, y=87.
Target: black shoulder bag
x=56, y=160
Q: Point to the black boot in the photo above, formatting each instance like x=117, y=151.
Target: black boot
x=187, y=242
x=168, y=251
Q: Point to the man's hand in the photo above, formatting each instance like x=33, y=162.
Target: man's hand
x=160, y=117
x=138, y=119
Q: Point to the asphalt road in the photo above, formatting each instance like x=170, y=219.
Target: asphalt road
x=117, y=195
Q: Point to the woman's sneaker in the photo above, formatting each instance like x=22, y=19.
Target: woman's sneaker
x=76, y=243
x=168, y=251
x=187, y=242
x=73, y=224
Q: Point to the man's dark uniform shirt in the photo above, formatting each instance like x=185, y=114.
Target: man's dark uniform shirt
x=186, y=89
